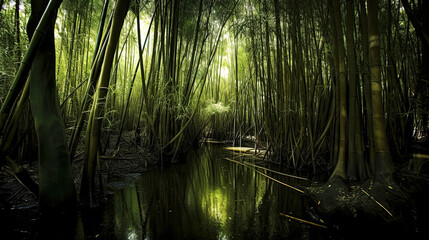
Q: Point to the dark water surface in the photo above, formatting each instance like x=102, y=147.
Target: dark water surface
x=205, y=198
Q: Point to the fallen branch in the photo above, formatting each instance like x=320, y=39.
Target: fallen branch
x=16, y=193
x=247, y=150
x=304, y=221
x=378, y=203
x=115, y=158
x=276, y=172
x=211, y=141
x=265, y=175
x=22, y=176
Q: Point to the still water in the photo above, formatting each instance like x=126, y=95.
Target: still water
x=205, y=198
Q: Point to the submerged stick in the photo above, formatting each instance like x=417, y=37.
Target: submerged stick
x=265, y=175
x=304, y=221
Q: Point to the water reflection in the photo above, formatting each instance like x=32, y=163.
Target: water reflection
x=206, y=198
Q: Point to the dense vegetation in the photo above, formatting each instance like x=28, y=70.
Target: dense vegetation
x=338, y=86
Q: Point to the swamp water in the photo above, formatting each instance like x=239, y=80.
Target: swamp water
x=207, y=197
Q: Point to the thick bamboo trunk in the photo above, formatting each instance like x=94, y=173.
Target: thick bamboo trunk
x=55, y=178
x=340, y=169
x=383, y=163
x=353, y=113
x=367, y=82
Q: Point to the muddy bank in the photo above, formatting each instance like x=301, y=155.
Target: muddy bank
x=19, y=213
x=390, y=207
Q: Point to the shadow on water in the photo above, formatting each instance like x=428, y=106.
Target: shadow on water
x=205, y=198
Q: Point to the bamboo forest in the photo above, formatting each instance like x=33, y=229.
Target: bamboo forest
x=214, y=119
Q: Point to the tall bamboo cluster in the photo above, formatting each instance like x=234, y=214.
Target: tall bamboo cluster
x=290, y=68
x=329, y=86
x=332, y=84
x=182, y=52
x=35, y=79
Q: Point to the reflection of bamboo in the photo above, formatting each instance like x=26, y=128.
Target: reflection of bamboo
x=265, y=175
x=304, y=221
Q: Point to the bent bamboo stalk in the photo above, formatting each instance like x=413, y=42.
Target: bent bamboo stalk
x=27, y=61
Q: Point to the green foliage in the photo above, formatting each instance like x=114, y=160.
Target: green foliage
x=237, y=82
x=213, y=108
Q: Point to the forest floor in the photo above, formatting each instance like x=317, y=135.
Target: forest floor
x=126, y=160
x=394, y=206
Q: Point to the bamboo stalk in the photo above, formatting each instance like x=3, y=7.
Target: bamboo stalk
x=92, y=142
x=24, y=69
